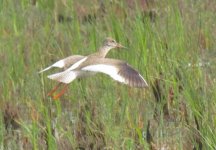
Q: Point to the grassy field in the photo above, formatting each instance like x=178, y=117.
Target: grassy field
x=171, y=43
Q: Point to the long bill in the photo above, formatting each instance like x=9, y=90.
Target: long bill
x=120, y=46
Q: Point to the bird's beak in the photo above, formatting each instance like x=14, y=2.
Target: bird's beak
x=120, y=46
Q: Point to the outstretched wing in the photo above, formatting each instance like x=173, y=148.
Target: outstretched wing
x=118, y=70
x=65, y=63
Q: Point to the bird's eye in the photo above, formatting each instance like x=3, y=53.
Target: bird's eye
x=113, y=41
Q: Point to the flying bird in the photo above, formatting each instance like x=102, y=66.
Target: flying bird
x=78, y=66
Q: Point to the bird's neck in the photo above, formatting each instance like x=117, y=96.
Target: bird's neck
x=104, y=50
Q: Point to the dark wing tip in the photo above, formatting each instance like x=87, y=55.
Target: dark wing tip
x=132, y=77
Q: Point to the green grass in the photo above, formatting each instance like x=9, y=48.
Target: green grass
x=98, y=112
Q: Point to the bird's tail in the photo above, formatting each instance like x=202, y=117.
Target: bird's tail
x=64, y=77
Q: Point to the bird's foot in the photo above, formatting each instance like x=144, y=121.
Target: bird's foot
x=55, y=97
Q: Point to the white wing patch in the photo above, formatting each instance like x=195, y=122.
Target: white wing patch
x=64, y=77
x=61, y=64
x=58, y=64
x=74, y=66
x=107, y=69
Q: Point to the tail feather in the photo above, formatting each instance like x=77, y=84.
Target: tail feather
x=64, y=77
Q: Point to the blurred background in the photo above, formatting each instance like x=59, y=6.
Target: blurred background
x=171, y=43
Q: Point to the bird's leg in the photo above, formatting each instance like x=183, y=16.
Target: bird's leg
x=54, y=89
x=61, y=92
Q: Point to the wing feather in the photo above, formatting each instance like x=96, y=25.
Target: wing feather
x=118, y=70
x=64, y=63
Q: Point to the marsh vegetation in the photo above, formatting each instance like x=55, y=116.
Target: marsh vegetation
x=171, y=43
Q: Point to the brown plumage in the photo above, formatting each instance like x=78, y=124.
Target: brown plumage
x=78, y=66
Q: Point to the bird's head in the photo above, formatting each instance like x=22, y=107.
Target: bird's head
x=111, y=43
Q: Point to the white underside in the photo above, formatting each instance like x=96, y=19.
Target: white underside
x=64, y=77
x=68, y=76
x=112, y=71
